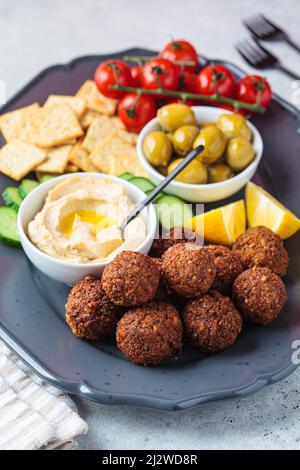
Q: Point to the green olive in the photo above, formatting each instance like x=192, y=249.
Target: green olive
x=172, y=116
x=239, y=153
x=234, y=125
x=194, y=173
x=207, y=124
x=183, y=139
x=219, y=172
x=157, y=148
x=214, y=144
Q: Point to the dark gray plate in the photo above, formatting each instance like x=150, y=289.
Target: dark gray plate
x=32, y=305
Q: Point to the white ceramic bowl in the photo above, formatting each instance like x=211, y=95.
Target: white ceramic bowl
x=65, y=271
x=202, y=192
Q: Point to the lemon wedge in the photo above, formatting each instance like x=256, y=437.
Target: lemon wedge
x=264, y=209
x=222, y=225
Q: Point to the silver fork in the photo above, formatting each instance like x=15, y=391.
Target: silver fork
x=260, y=58
x=262, y=28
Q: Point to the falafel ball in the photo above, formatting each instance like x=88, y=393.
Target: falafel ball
x=171, y=237
x=150, y=333
x=130, y=279
x=188, y=269
x=259, y=246
x=228, y=267
x=89, y=312
x=164, y=292
x=259, y=294
x=212, y=322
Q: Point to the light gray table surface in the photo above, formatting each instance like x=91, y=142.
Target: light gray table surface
x=36, y=34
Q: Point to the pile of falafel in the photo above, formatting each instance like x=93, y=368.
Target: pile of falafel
x=182, y=291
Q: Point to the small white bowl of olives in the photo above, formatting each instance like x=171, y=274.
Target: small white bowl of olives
x=233, y=149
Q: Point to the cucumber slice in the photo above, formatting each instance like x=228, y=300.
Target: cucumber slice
x=26, y=186
x=126, y=176
x=173, y=211
x=44, y=178
x=8, y=226
x=12, y=197
x=143, y=183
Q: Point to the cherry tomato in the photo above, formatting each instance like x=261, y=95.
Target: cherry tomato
x=181, y=50
x=109, y=73
x=188, y=82
x=248, y=87
x=229, y=107
x=135, y=111
x=136, y=75
x=205, y=80
x=159, y=73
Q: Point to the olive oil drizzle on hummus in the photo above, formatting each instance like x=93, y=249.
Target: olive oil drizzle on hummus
x=100, y=222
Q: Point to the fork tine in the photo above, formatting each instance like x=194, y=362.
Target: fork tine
x=244, y=48
x=253, y=51
x=273, y=26
x=254, y=22
x=265, y=26
x=258, y=26
x=265, y=51
x=248, y=53
x=251, y=27
x=257, y=21
x=245, y=57
x=257, y=49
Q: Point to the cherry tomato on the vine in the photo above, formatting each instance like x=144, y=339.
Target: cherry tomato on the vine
x=160, y=73
x=248, y=87
x=135, y=111
x=205, y=80
x=136, y=75
x=110, y=73
x=188, y=82
x=181, y=50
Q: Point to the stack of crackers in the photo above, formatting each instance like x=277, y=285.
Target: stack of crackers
x=68, y=134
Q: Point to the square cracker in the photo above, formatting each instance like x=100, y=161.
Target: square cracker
x=53, y=125
x=112, y=146
x=87, y=118
x=95, y=100
x=103, y=127
x=77, y=104
x=100, y=128
x=130, y=137
x=13, y=124
x=80, y=158
x=18, y=158
x=129, y=164
x=117, y=123
x=71, y=168
x=56, y=159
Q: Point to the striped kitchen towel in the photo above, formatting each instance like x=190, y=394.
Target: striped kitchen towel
x=33, y=414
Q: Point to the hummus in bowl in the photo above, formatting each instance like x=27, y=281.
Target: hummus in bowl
x=69, y=225
x=81, y=218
